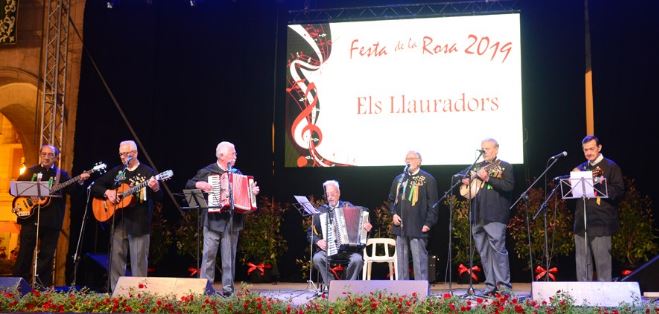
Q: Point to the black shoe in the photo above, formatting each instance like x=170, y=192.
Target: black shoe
x=486, y=293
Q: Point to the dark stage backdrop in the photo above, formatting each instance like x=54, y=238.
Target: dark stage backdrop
x=190, y=77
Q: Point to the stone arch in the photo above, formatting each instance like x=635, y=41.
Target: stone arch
x=18, y=102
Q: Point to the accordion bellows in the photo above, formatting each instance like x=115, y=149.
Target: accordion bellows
x=244, y=200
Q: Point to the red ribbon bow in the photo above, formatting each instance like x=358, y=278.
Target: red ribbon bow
x=336, y=270
x=260, y=267
x=475, y=269
x=626, y=272
x=193, y=271
x=541, y=272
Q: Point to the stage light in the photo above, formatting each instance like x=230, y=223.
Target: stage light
x=111, y=4
x=194, y=3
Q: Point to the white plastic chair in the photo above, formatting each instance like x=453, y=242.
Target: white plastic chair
x=374, y=258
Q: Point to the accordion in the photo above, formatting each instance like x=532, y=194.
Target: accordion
x=244, y=201
x=343, y=229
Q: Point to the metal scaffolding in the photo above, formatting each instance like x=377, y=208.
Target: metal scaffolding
x=54, y=59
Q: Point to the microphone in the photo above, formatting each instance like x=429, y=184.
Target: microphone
x=230, y=166
x=559, y=155
x=482, y=151
x=567, y=176
x=39, y=176
x=128, y=159
x=407, y=166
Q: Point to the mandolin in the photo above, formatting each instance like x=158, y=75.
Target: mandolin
x=476, y=184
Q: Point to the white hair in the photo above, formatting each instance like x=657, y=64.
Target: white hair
x=491, y=140
x=222, y=147
x=331, y=182
x=130, y=143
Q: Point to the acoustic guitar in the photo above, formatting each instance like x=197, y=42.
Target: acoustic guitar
x=104, y=209
x=476, y=184
x=23, y=206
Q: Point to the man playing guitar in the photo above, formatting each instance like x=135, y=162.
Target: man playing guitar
x=51, y=215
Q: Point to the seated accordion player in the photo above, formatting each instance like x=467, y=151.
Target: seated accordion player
x=343, y=228
x=241, y=187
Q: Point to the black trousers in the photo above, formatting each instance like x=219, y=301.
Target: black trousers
x=48, y=243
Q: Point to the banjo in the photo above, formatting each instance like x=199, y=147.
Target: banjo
x=470, y=191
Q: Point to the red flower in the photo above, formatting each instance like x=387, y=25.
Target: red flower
x=447, y=295
x=519, y=308
x=141, y=285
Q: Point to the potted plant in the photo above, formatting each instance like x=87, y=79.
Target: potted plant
x=461, y=237
x=559, y=232
x=635, y=241
x=261, y=242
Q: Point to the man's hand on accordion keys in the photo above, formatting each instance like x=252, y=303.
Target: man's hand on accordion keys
x=204, y=186
x=368, y=226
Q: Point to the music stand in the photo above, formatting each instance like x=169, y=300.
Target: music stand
x=196, y=201
x=37, y=189
x=306, y=209
x=581, y=185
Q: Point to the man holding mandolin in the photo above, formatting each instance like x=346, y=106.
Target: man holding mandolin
x=132, y=221
x=50, y=220
x=489, y=213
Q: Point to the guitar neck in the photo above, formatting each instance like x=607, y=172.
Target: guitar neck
x=134, y=189
x=66, y=183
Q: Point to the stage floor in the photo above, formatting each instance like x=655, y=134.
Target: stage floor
x=301, y=293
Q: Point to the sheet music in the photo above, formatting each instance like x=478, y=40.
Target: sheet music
x=582, y=184
x=306, y=204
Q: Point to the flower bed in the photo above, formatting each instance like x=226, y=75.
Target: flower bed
x=247, y=302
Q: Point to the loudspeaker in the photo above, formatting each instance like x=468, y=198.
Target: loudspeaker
x=591, y=293
x=17, y=283
x=162, y=286
x=338, y=288
x=647, y=276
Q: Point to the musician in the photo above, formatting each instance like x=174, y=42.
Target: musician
x=220, y=229
x=315, y=235
x=411, y=197
x=131, y=224
x=602, y=213
x=489, y=214
x=50, y=220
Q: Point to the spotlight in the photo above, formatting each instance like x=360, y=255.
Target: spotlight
x=111, y=4
x=195, y=3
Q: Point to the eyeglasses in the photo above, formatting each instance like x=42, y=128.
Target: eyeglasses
x=47, y=155
x=126, y=153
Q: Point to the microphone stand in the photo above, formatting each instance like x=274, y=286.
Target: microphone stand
x=542, y=209
x=448, y=193
x=76, y=256
x=35, y=274
x=467, y=174
x=121, y=175
x=231, y=212
x=328, y=222
x=525, y=196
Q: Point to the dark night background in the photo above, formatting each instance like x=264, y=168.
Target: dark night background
x=190, y=77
